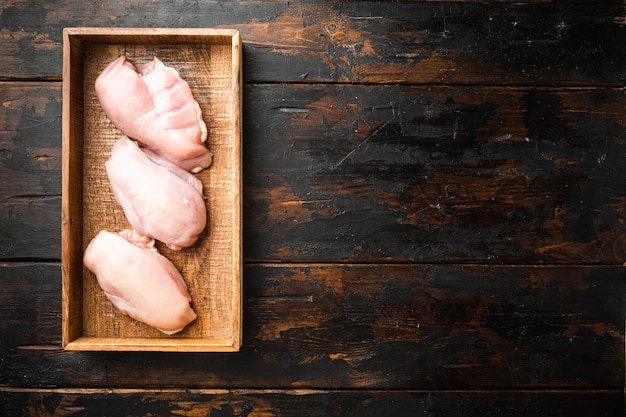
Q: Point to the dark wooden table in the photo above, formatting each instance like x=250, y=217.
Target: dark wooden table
x=435, y=197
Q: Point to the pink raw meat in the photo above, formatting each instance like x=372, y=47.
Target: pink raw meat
x=162, y=202
x=155, y=106
x=140, y=281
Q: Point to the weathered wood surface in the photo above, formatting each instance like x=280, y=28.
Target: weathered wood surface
x=191, y=403
x=393, y=173
x=30, y=171
x=380, y=42
x=489, y=174
x=434, y=206
x=355, y=326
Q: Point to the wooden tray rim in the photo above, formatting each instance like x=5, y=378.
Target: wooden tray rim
x=73, y=36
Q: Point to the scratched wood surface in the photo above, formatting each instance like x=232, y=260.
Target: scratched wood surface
x=488, y=174
x=314, y=403
x=434, y=204
x=502, y=42
x=329, y=326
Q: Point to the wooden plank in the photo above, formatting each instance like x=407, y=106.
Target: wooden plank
x=375, y=42
x=31, y=311
x=396, y=173
x=355, y=327
x=30, y=139
x=30, y=228
x=30, y=171
x=452, y=173
x=79, y=402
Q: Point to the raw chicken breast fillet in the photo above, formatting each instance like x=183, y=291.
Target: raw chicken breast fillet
x=155, y=106
x=162, y=202
x=140, y=281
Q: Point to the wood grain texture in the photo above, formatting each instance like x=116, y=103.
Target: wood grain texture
x=191, y=403
x=388, y=173
x=440, y=185
x=354, y=327
x=379, y=42
x=392, y=173
x=30, y=169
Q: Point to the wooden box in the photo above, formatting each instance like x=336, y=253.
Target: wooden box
x=210, y=61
